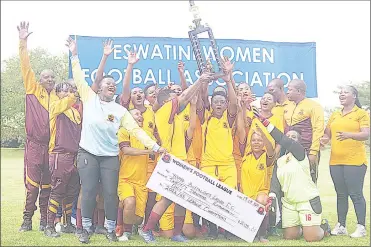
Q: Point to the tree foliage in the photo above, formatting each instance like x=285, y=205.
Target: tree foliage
x=13, y=93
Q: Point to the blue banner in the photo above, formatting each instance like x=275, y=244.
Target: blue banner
x=256, y=62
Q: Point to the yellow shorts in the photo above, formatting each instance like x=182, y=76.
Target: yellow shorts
x=226, y=174
x=296, y=214
x=188, y=217
x=151, y=167
x=167, y=219
x=128, y=189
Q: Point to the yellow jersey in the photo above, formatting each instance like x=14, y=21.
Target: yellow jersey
x=133, y=168
x=254, y=176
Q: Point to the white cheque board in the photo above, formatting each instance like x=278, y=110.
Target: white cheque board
x=206, y=196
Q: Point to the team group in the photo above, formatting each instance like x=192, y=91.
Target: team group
x=89, y=152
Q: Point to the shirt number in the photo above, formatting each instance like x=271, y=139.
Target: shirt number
x=308, y=217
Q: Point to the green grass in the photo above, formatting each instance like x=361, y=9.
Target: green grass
x=12, y=201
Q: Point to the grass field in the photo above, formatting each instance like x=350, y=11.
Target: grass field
x=12, y=201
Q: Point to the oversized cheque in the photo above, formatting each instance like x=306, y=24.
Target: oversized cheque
x=207, y=197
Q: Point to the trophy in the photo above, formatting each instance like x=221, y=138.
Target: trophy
x=198, y=28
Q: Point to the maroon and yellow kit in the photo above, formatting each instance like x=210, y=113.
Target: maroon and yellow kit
x=308, y=116
x=149, y=126
x=65, y=130
x=217, y=155
x=36, y=158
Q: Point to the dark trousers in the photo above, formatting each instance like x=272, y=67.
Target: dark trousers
x=276, y=189
x=65, y=184
x=348, y=181
x=37, y=179
x=92, y=169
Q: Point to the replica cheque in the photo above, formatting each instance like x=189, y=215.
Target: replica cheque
x=206, y=196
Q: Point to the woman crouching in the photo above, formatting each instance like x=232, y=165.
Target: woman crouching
x=301, y=204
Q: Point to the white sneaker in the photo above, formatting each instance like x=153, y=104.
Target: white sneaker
x=339, y=230
x=125, y=237
x=360, y=232
x=58, y=227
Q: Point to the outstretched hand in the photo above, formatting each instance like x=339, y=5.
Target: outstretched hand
x=107, y=47
x=132, y=57
x=227, y=69
x=181, y=67
x=72, y=46
x=23, y=30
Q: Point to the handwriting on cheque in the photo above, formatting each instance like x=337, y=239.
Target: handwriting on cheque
x=204, y=200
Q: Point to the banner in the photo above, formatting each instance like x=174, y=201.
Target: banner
x=256, y=62
x=207, y=197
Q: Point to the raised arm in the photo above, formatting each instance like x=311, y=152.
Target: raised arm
x=82, y=86
x=240, y=123
x=192, y=118
x=107, y=50
x=132, y=59
x=268, y=146
x=28, y=75
x=290, y=145
x=183, y=82
x=232, y=97
x=191, y=91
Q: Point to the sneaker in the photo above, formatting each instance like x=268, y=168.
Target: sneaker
x=339, y=230
x=111, y=236
x=148, y=236
x=212, y=236
x=100, y=230
x=360, y=232
x=78, y=232
x=50, y=232
x=179, y=238
x=135, y=229
x=69, y=228
x=126, y=236
x=42, y=226
x=263, y=240
x=119, y=230
x=58, y=227
x=26, y=226
x=84, y=237
x=326, y=227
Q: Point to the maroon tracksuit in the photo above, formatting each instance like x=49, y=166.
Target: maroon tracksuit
x=36, y=172
x=65, y=126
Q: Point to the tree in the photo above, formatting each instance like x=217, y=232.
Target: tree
x=364, y=93
x=13, y=94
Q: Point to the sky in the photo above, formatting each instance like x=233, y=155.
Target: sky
x=340, y=29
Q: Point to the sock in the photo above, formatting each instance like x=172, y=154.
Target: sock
x=178, y=225
x=78, y=218
x=86, y=223
x=196, y=220
x=120, y=220
x=100, y=217
x=95, y=217
x=152, y=221
x=128, y=228
x=149, y=206
x=111, y=225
